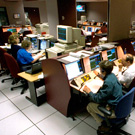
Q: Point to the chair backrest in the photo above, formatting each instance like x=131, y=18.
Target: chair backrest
x=27, y=32
x=56, y=85
x=2, y=58
x=12, y=65
x=124, y=105
x=104, y=29
x=95, y=41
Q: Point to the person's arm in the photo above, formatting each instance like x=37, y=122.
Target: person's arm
x=103, y=93
x=123, y=78
x=36, y=57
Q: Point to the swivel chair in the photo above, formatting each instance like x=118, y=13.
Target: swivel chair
x=4, y=66
x=122, y=113
x=14, y=70
x=27, y=32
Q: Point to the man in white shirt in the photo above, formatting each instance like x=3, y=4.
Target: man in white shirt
x=128, y=75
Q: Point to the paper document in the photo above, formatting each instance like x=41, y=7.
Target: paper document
x=94, y=85
x=70, y=58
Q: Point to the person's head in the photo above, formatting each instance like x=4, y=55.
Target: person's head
x=13, y=39
x=26, y=44
x=106, y=67
x=127, y=60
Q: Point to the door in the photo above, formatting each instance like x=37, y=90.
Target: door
x=33, y=15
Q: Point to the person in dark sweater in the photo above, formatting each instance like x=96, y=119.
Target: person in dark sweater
x=14, y=40
x=108, y=95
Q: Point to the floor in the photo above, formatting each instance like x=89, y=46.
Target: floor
x=18, y=116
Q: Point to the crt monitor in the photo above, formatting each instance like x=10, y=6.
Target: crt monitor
x=74, y=69
x=43, y=44
x=94, y=61
x=111, y=54
x=64, y=34
x=89, y=29
x=34, y=42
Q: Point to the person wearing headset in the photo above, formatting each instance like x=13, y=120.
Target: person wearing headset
x=24, y=58
x=108, y=95
x=128, y=75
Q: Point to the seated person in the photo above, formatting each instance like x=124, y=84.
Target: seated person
x=14, y=40
x=24, y=58
x=128, y=75
x=108, y=95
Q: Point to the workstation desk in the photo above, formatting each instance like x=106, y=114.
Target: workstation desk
x=33, y=82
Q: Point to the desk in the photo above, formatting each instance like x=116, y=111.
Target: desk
x=32, y=88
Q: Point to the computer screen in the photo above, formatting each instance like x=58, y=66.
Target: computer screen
x=97, y=28
x=12, y=30
x=94, y=61
x=83, y=27
x=42, y=44
x=74, y=69
x=111, y=54
x=89, y=29
x=133, y=44
x=34, y=42
x=64, y=34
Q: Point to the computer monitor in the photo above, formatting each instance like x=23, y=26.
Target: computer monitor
x=43, y=44
x=64, y=34
x=111, y=54
x=74, y=69
x=97, y=28
x=133, y=44
x=90, y=29
x=94, y=61
x=12, y=30
x=34, y=42
x=83, y=27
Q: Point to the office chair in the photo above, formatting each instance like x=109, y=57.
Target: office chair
x=5, y=36
x=95, y=40
x=3, y=63
x=27, y=32
x=122, y=112
x=14, y=70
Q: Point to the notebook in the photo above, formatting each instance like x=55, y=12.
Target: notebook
x=35, y=68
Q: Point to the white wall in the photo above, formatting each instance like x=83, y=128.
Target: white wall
x=52, y=13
